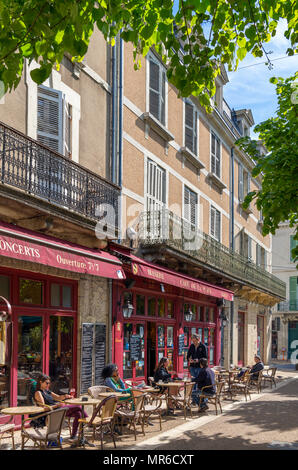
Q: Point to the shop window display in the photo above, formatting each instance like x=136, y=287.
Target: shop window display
x=31, y=292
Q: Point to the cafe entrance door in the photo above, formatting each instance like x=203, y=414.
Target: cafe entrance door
x=44, y=345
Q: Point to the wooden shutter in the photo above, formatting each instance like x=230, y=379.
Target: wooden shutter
x=190, y=206
x=249, y=247
x=217, y=172
x=67, y=128
x=293, y=244
x=293, y=292
x=156, y=182
x=50, y=118
x=217, y=226
x=215, y=155
x=258, y=254
x=154, y=89
x=163, y=98
x=189, y=127
x=215, y=223
x=240, y=182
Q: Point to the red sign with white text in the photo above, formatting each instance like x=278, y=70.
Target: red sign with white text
x=180, y=281
x=27, y=251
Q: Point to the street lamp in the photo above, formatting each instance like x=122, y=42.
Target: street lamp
x=127, y=309
x=188, y=315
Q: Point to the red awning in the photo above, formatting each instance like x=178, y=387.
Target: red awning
x=160, y=274
x=26, y=245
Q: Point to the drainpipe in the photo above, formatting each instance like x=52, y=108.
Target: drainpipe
x=232, y=246
x=120, y=142
x=110, y=349
x=114, y=114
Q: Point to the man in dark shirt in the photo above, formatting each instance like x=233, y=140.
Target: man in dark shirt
x=205, y=377
x=197, y=351
x=255, y=369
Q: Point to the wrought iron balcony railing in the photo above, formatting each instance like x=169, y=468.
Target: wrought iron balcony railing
x=30, y=166
x=289, y=306
x=164, y=227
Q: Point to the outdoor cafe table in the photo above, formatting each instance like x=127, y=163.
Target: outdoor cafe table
x=22, y=411
x=171, y=385
x=117, y=394
x=80, y=402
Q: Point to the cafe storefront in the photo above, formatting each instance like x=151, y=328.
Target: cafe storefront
x=52, y=287
x=156, y=311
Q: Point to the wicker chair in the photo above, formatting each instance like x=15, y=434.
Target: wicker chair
x=270, y=376
x=103, y=415
x=136, y=414
x=242, y=387
x=154, y=405
x=52, y=432
x=184, y=400
x=256, y=382
x=95, y=391
x=7, y=428
x=214, y=399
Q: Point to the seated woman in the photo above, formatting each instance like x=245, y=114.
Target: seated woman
x=43, y=396
x=110, y=374
x=161, y=374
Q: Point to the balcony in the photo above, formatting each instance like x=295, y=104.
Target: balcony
x=289, y=306
x=172, y=233
x=36, y=170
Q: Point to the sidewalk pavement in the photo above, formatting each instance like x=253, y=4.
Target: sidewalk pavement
x=268, y=421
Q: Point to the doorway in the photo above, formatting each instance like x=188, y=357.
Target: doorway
x=241, y=326
x=151, y=348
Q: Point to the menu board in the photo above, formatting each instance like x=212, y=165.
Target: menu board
x=87, y=356
x=100, y=352
x=180, y=344
x=135, y=348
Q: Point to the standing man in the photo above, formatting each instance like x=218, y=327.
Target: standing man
x=197, y=351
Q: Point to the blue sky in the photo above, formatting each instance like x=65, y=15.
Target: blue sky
x=249, y=87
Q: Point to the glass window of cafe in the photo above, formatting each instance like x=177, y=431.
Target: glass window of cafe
x=44, y=311
x=200, y=322
x=153, y=321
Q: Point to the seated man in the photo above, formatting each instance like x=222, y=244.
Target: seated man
x=205, y=377
x=255, y=369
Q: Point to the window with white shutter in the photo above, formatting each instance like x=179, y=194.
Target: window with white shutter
x=67, y=127
x=215, y=224
x=215, y=155
x=243, y=182
x=190, y=127
x=191, y=206
x=157, y=90
x=156, y=186
x=50, y=118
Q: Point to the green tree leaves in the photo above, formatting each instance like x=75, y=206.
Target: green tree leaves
x=278, y=198
x=211, y=32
